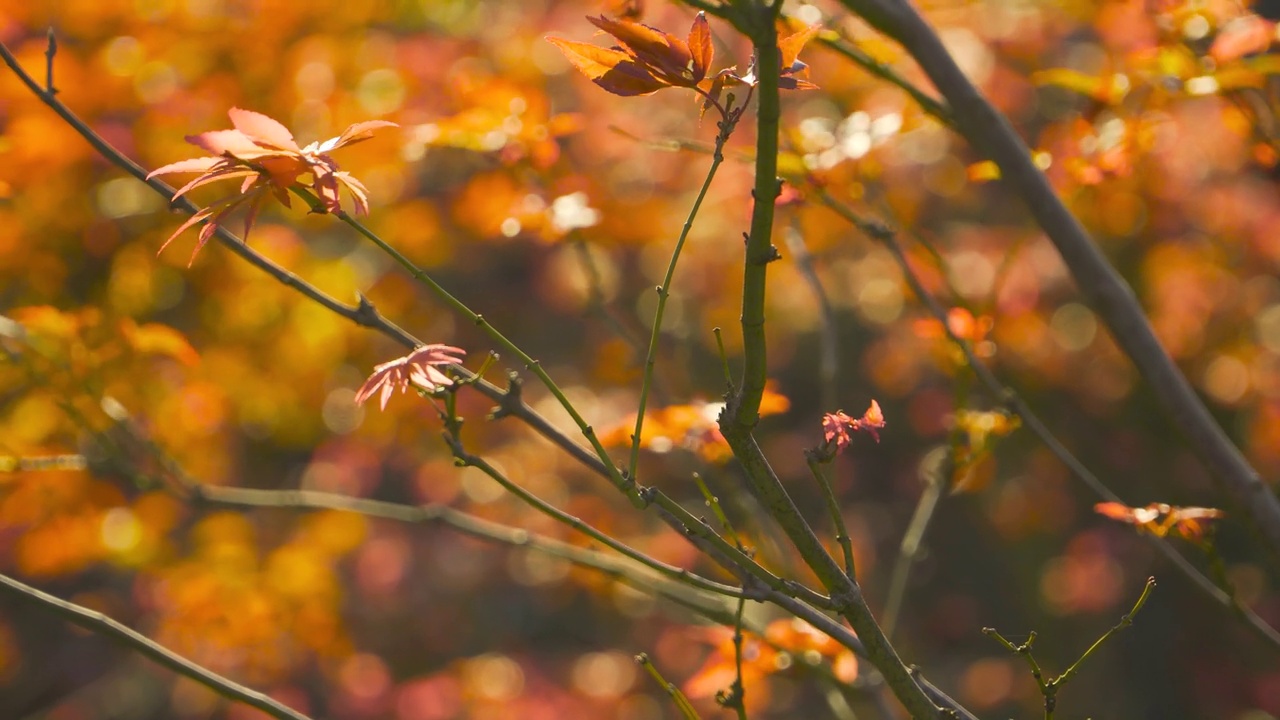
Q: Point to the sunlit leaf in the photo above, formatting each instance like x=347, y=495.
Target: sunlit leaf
x=611, y=69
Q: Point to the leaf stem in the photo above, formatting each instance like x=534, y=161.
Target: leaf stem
x=833, y=506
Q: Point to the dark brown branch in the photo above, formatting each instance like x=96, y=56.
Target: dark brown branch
x=1106, y=292
x=1014, y=402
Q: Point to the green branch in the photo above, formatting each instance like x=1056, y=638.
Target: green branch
x=1049, y=687
x=1104, y=289
x=727, y=124
x=1018, y=406
x=676, y=573
x=833, y=506
x=759, y=247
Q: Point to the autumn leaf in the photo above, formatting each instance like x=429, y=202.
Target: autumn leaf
x=1106, y=89
x=977, y=432
x=986, y=170
x=692, y=426
x=800, y=638
x=611, y=69
x=720, y=669
x=647, y=60
x=1159, y=519
x=1192, y=522
x=158, y=339
x=419, y=368
x=839, y=427
x=794, y=72
x=262, y=154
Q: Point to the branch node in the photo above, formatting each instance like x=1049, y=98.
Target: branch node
x=51, y=49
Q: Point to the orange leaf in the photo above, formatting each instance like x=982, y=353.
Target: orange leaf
x=1191, y=523
x=611, y=69
x=984, y=171
x=48, y=320
x=700, y=47
x=1110, y=90
x=667, y=57
x=789, y=47
x=157, y=339
x=1124, y=513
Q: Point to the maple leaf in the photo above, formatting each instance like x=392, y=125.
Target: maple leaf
x=419, y=368
x=838, y=427
x=647, y=59
x=793, y=73
x=262, y=154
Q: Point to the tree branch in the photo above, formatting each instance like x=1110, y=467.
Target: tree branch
x=100, y=624
x=1103, y=288
x=1014, y=402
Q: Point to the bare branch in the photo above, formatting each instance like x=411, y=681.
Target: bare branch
x=1104, y=289
x=100, y=624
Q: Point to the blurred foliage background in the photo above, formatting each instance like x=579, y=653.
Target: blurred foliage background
x=551, y=207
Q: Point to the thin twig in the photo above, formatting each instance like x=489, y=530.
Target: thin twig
x=737, y=698
x=913, y=539
x=100, y=624
x=1125, y=622
x=1049, y=687
x=726, y=125
x=468, y=459
x=815, y=464
x=51, y=49
x=717, y=509
x=829, y=337
x=681, y=702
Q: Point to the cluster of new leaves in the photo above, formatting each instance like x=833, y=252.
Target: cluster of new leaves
x=262, y=154
x=838, y=428
x=648, y=60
